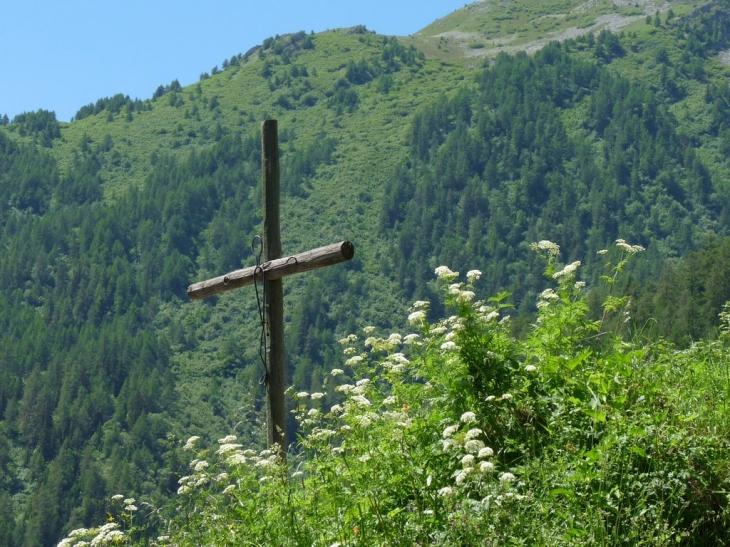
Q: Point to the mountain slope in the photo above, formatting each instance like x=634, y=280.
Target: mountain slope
x=106, y=366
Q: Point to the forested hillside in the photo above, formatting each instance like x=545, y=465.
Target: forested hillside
x=106, y=368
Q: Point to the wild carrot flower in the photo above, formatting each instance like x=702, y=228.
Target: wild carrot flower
x=473, y=275
x=468, y=417
x=473, y=433
x=337, y=371
x=485, y=452
x=190, y=444
x=467, y=461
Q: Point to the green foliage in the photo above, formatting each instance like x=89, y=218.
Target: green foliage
x=462, y=435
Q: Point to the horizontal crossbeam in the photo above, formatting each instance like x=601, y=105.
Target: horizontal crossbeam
x=275, y=269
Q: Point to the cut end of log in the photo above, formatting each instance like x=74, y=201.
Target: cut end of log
x=348, y=250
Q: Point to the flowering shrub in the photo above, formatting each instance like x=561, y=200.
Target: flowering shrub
x=460, y=434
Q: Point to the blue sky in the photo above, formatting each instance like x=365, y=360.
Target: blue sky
x=60, y=55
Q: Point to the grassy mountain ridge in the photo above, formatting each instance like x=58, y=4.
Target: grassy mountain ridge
x=107, y=219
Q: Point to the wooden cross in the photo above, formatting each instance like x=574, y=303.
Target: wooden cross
x=274, y=269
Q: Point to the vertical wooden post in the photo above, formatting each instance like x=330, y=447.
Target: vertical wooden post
x=275, y=383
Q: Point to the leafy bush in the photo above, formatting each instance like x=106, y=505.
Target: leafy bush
x=461, y=434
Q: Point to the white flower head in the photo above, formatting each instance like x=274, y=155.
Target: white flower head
x=473, y=433
x=507, y=477
x=227, y=439
x=473, y=446
x=486, y=467
x=468, y=417
x=337, y=371
x=548, y=247
x=445, y=492
x=530, y=368
x=354, y=360
x=417, y=317
x=449, y=431
x=302, y=395
x=190, y=444
x=568, y=271
x=485, y=452
x=368, y=329
x=473, y=275
x=420, y=304
x=449, y=346
x=315, y=396
x=445, y=274
x=410, y=339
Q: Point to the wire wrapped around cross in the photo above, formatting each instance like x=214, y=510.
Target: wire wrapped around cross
x=257, y=246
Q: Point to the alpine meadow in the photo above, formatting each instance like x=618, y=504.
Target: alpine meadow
x=531, y=345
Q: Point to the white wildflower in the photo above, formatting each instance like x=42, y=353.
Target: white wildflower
x=221, y=477
x=390, y=400
x=349, y=351
x=468, y=417
x=355, y=359
x=506, y=396
x=368, y=329
x=449, y=346
x=490, y=398
x=467, y=461
x=485, y=452
x=315, y=396
x=337, y=371
x=363, y=382
x=548, y=294
x=449, y=431
x=364, y=458
x=465, y=297
x=473, y=433
x=444, y=273
x=455, y=288
x=117, y=497
x=130, y=508
x=438, y=330
x=579, y=285
x=313, y=412
x=567, y=271
x=229, y=447
x=345, y=388
x=336, y=409
x=602, y=252
x=417, y=317
x=395, y=339
x=202, y=464
x=473, y=446
x=360, y=400
x=410, y=339
x=420, y=304
x=473, y=275
x=229, y=488
x=486, y=467
x=552, y=249
x=530, y=368
x=445, y=491
x=491, y=316
x=302, y=395
x=129, y=501
x=236, y=459
x=461, y=477
x=507, y=477
x=227, y=439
